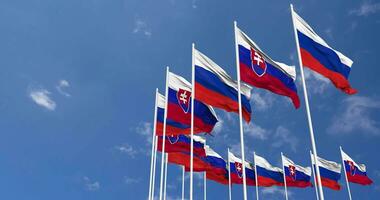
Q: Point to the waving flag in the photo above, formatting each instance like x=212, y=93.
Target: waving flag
x=179, y=104
x=259, y=70
x=236, y=169
x=181, y=143
x=217, y=170
x=172, y=126
x=267, y=175
x=216, y=88
x=356, y=173
x=295, y=175
x=317, y=55
x=183, y=158
x=329, y=171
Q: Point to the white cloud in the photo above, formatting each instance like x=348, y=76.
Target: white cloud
x=141, y=27
x=262, y=100
x=282, y=137
x=62, y=84
x=275, y=191
x=218, y=126
x=145, y=129
x=356, y=116
x=366, y=8
x=194, y=4
x=256, y=131
x=316, y=83
x=91, y=185
x=328, y=32
x=127, y=149
x=41, y=97
x=129, y=180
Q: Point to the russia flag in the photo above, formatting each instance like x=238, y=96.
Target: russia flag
x=317, y=55
x=295, y=175
x=356, y=173
x=330, y=173
x=217, y=170
x=182, y=143
x=179, y=108
x=172, y=126
x=267, y=175
x=216, y=88
x=259, y=70
x=236, y=170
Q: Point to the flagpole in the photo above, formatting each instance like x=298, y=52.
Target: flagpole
x=256, y=179
x=204, y=182
x=283, y=169
x=314, y=148
x=240, y=114
x=154, y=166
x=229, y=174
x=164, y=133
x=183, y=182
x=314, y=177
x=153, y=144
x=345, y=173
x=192, y=121
x=204, y=186
x=166, y=174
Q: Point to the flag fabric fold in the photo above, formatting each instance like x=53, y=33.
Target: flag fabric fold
x=236, y=169
x=172, y=126
x=329, y=171
x=268, y=175
x=356, y=173
x=216, y=88
x=217, y=170
x=317, y=55
x=179, y=112
x=182, y=143
x=259, y=70
x=296, y=175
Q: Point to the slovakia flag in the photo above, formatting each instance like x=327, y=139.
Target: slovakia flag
x=329, y=171
x=217, y=170
x=172, y=126
x=259, y=70
x=356, y=173
x=317, y=55
x=295, y=175
x=183, y=158
x=236, y=170
x=267, y=175
x=182, y=143
x=179, y=107
x=216, y=88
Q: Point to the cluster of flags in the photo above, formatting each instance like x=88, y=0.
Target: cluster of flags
x=187, y=108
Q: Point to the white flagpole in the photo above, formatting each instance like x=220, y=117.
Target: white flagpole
x=183, y=182
x=153, y=146
x=256, y=179
x=154, y=166
x=166, y=174
x=314, y=148
x=283, y=172
x=192, y=121
x=229, y=175
x=164, y=134
x=315, y=179
x=240, y=114
x=205, y=186
x=345, y=173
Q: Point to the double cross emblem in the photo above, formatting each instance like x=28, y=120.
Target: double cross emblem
x=183, y=97
x=258, y=63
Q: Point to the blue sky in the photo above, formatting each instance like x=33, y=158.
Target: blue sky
x=78, y=78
